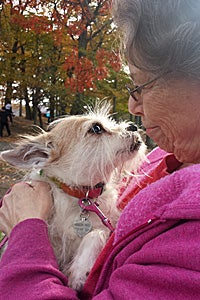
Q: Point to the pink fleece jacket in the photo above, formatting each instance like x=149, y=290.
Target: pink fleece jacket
x=155, y=255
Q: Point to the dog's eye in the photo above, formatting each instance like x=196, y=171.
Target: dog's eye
x=96, y=128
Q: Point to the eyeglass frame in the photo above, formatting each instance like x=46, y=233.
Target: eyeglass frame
x=139, y=88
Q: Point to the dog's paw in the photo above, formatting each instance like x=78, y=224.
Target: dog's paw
x=76, y=281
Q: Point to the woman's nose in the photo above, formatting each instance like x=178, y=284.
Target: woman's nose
x=135, y=107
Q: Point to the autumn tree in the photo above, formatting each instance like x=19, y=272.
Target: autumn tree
x=59, y=50
x=90, y=25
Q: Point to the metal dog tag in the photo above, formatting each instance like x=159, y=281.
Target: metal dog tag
x=82, y=227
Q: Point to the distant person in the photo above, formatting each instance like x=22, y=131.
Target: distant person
x=8, y=108
x=4, y=115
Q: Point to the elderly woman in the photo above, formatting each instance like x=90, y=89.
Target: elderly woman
x=155, y=251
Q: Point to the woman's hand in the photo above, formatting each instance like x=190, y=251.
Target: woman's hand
x=25, y=201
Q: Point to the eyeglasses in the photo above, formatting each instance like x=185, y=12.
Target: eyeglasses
x=138, y=89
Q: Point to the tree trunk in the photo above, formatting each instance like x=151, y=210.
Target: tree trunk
x=52, y=109
x=77, y=106
x=36, y=95
x=9, y=92
x=28, y=114
x=40, y=118
x=20, y=108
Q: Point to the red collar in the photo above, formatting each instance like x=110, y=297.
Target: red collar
x=83, y=192
x=85, y=196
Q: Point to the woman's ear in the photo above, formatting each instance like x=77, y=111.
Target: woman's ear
x=28, y=155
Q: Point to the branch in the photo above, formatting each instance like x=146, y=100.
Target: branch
x=107, y=23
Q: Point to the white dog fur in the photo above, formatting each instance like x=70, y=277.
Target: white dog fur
x=80, y=151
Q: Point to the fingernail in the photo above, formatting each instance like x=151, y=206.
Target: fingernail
x=29, y=183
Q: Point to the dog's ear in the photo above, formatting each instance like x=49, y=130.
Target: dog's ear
x=27, y=155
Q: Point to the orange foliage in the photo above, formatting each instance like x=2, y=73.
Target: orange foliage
x=82, y=73
x=110, y=58
x=76, y=28
x=38, y=24
x=71, y=18
x=105, y=6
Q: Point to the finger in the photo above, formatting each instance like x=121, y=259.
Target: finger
x=29, y=183
x=21, y=185
x=37, y=183
x=41, y=184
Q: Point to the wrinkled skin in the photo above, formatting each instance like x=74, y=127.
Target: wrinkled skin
x=170, y=111
x=25, y=201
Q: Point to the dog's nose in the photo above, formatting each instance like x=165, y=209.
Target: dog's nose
x=132, y=127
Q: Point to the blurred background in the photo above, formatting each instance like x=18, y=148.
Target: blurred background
x=57, y=56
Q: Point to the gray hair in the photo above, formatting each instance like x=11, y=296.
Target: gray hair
x=160, y=36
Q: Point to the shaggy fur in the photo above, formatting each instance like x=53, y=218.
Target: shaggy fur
x=80, y=151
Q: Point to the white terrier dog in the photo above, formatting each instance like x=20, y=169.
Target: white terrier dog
x=83, y=158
